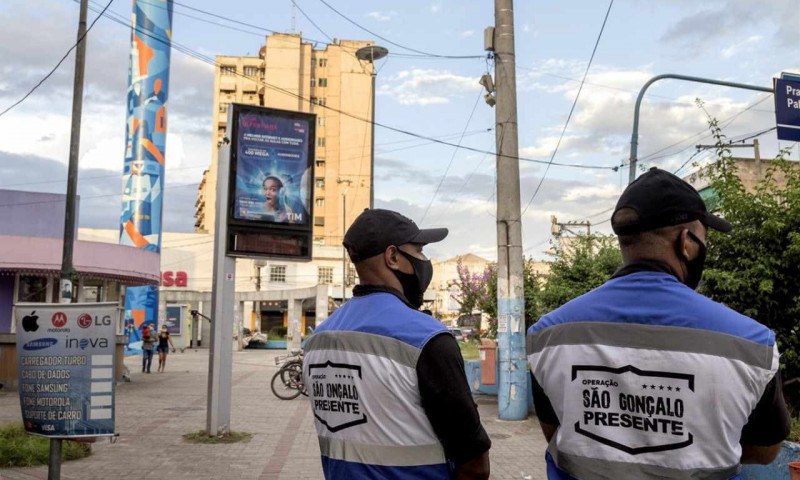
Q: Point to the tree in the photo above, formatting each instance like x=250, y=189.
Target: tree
x=586, y=264
x=478, y=291
x=755, y=269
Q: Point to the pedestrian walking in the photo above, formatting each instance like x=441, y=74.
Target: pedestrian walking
x=645, y=378
x=386, y=382
x=148, y=344
x=164, y=344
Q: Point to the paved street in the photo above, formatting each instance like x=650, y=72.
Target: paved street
x=155, y=410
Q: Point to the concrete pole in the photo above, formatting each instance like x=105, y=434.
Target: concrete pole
x=67, y=270
x=513, y=387
x=294, y=310
x=757, y=156
x=220, y=358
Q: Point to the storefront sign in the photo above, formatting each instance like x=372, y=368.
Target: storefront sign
x=65, y=366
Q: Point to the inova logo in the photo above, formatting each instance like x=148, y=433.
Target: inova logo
x=40, y=344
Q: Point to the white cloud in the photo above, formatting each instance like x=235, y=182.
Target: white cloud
x=467, y=33
x=381, y=16
x=746, y=45
x=526, y=27
x=436, y=7
x=427, y=86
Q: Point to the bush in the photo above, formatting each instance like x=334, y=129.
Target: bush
x=277, y=332
x=755, y=269
x=18, y=449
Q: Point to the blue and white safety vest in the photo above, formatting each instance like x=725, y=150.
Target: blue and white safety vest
x=649, y=379
x=361, y=377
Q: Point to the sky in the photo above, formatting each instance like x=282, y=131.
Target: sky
x=436, y=185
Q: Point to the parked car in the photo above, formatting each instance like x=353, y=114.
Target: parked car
x=456, y=332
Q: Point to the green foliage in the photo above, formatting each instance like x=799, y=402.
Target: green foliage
x=586, y=264
x=277, y=333
x=755, y=269
x=478, y=292
x=18, y=449
x=469, y=350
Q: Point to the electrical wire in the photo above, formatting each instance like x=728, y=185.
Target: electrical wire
x=53, y=70
x=312, y=21
x=205, y=59
x=452, y=157
x=571, y=110
x=395, y=43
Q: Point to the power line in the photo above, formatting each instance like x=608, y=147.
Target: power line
x=312, y=21
x=51, y=72
x=452, y=157
x=571, y=110
x=205, y=59
x=337, y=12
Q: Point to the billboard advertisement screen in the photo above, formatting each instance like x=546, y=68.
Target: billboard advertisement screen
x=273, y=172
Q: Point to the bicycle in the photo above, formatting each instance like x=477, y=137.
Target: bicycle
x=287, y=383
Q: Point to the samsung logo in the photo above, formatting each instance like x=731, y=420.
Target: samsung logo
x=40, y=344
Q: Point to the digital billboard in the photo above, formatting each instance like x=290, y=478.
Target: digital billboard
x=272, y=173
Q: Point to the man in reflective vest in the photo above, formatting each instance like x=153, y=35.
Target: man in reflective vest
x=645, y=378
x=386, y=382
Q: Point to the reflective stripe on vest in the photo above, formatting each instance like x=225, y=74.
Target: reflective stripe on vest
x=364, y=393
x=649, y=379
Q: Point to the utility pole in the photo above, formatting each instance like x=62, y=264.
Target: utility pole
x=344, y=229
x=513, y=388
x=67, y=269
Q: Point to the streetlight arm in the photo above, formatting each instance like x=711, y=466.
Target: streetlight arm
x=635, y=134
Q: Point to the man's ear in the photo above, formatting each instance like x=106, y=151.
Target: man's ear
x=391, y=257
x=689, y=248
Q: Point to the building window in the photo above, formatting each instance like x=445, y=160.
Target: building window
x=319, y=221
x=251, y=71
x=277, y=273
x=319, y=202
x=320, y=183
x=313, y=82
x=319, y=163
x=228, y=69
x=321, y=101
x=323, y=62
x=319, y=240
x=325, y=275
x=32, y=289
x=321, y=121
x=223, y=107
x=323, y=82
x=320, y=141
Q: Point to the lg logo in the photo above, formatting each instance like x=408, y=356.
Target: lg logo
x=86, y=320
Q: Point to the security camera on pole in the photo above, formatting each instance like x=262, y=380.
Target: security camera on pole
x=513, y=388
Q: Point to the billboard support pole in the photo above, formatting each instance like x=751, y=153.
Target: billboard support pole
x=220, y=360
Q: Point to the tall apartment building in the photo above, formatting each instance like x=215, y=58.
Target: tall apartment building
x=287, y=74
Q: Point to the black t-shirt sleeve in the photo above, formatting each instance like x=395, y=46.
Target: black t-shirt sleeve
x=544, y=409
x=448, y=402
x=769, y=423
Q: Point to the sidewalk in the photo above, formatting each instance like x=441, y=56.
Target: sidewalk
x=155, y=410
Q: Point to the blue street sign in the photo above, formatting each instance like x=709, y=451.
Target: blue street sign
x=787, y=108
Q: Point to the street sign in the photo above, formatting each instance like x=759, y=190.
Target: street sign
x=65, y=366
x=787, y=107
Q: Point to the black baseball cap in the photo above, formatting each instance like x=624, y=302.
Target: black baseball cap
x=662, y=199
x=376, y=229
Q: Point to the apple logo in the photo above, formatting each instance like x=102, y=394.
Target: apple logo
x=29, y=322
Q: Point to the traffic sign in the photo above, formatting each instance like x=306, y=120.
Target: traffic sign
x=787, y=107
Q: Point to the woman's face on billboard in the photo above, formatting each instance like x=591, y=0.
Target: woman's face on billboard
x=271, y=190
